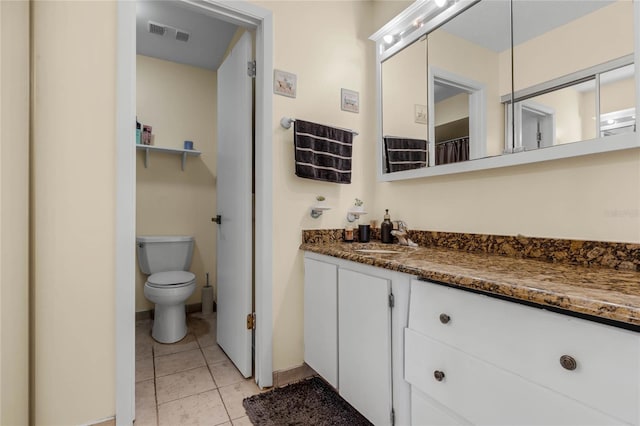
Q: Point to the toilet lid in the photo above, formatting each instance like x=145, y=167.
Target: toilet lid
x=169, y=278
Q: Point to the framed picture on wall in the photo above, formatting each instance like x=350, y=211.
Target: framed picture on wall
x=285, y=83
x=350, y=100
x=420, y=113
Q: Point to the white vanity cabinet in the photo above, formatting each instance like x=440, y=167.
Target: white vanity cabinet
x=474, y=359
x=354, y=337
x=364, y=344
x=321, y=318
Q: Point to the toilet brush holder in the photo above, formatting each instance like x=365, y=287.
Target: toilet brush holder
x=207, y=300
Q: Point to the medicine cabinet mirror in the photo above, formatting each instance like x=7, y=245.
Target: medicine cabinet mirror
x=493, y=83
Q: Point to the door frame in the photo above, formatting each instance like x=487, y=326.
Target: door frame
x=248, y=16
x=477, y=111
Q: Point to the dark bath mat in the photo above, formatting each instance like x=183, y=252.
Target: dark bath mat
x=309, y=402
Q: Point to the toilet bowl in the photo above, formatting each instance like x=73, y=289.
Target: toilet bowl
x=166, y=260
x=169, y=291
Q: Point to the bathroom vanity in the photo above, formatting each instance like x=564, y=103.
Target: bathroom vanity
x=439, y=336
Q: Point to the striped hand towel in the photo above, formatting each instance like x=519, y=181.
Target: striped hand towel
x=322, y=152
x=405, y=153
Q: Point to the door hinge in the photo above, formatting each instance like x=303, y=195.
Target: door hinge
x=251, y=69
x=251, y=321
x=392, y=300
x=393, y=417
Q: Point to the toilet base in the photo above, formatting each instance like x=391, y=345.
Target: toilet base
x=170, y=323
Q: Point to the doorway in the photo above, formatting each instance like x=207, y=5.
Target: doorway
x=247, y=16
x=466, y=103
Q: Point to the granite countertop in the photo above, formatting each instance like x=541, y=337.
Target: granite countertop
x=602, y=293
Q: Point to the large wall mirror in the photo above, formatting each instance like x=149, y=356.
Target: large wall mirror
x=492, y=83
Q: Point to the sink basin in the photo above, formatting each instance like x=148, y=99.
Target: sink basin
x=378, y=251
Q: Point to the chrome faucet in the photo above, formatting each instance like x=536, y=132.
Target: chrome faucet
x=401, y=234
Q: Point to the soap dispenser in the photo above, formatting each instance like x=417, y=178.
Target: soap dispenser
x=385, y=229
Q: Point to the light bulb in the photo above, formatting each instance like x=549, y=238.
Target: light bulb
x=611, y=121
x=388, y=38
x=440, y=3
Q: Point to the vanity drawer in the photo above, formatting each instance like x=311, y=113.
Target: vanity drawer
x=530, y=343
x=485, y=394
x=427, y=412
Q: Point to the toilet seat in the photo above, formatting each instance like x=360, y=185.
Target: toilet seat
x=171, y=279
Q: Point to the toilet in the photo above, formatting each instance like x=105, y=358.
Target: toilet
x=166, y=259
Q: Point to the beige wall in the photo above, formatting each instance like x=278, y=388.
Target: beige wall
x=384, y=10
x=326, y=45
x=74, y=174
x=592, y=197
x=451, y=109
x=14, y=213
x=179, y=102
x=595, y=38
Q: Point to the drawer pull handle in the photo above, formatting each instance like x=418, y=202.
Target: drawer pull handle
x=439, y=375
x=568, y=362
x=444, y=318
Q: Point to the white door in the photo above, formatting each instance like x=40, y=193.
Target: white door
x=234, y=200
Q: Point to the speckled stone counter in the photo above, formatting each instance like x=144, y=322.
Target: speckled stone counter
x=600, y=293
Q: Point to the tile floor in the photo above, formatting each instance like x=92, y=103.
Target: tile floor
x=191, y=382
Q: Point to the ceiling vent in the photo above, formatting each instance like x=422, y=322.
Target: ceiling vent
x=182, y=35
x=155, y=28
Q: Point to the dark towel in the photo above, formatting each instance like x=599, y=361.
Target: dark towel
x=322, y=152
x=404, y=153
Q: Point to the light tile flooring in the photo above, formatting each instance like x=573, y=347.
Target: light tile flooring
x=191, y=382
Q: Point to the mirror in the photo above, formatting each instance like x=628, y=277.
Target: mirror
x=455, y=78
x=573, y=71
x=469, y=71
x=404, y=109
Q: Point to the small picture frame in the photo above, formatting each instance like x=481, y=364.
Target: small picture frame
x=349, y=100
x=285, y=83
x=420, y=113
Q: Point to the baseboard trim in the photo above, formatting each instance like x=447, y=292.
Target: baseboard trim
x=143, y=315
x=190, y=309
x=292, y=375
x=107, y=421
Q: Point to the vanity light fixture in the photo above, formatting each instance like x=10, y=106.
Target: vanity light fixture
x=389, y=38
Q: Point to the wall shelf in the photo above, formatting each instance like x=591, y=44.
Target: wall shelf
x=176, y=151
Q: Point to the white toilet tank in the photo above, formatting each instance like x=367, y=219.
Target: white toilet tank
x=164, y=253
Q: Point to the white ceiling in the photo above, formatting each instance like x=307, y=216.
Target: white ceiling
x=208, y=37
x=487, y=23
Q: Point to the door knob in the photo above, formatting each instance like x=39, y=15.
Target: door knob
x=217, y=219
x=438, y=375
x=444, y=318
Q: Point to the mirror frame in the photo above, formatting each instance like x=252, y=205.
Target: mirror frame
x=422, y=17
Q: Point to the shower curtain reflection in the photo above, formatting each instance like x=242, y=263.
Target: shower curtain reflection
x=452, y=151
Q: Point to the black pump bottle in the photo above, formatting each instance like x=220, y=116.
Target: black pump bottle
x=385, y=229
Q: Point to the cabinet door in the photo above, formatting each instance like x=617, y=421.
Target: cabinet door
x=365, y=344
x=321, y=318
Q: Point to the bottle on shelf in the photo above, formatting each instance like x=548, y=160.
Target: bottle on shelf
x=138, y=132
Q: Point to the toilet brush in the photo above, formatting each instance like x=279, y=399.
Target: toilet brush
x=207, y=297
